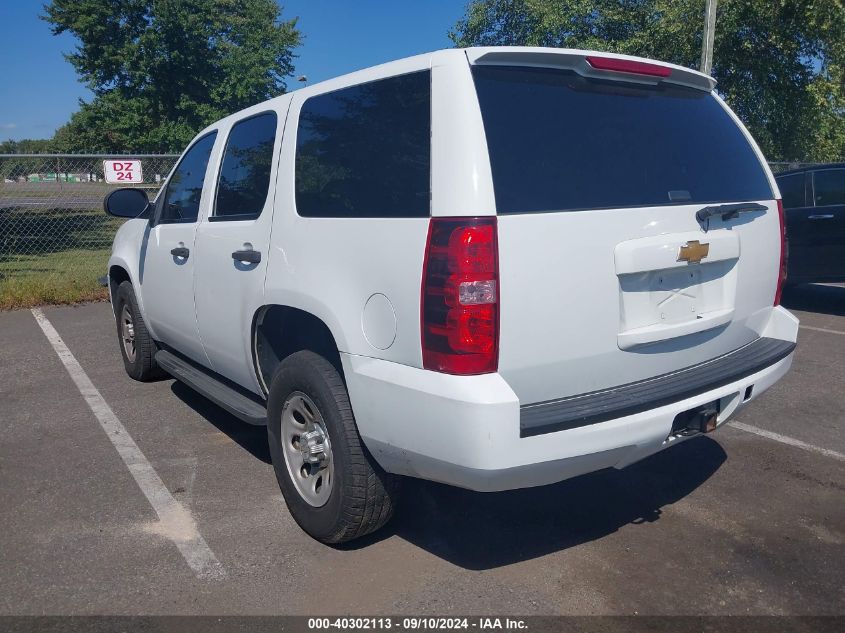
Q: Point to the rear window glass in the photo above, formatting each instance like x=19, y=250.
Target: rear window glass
x=559, y=142
x=364, y=151
x=792, y=190
x=829, y=185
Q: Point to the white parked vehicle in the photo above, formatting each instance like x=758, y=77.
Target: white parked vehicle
x=492, y=267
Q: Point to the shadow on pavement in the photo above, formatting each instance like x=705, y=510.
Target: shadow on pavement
x=251, y=438
x=486, y=530
x=815, y=298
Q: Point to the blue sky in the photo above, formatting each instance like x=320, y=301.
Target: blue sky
x=39, y=90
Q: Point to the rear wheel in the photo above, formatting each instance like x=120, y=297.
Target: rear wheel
x=136, y=345
x=334, y=489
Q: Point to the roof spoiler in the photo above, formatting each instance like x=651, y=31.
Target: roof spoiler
x=593, y=64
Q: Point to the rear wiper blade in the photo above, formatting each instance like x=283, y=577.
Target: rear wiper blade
x=728, y=211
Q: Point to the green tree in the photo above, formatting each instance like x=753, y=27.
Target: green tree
x=780, y=64
x=15, y=168
x=161, y=70
x=26, y=146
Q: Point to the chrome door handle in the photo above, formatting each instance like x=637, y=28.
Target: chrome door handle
x=820, y=217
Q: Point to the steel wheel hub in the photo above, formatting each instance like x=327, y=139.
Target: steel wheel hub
x=127, y=333
x=312, y=446
x=307, y=449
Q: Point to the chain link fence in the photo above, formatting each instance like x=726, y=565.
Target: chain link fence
x=778, y=168
x=54, y=236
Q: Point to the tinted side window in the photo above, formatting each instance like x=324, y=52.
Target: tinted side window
x=245, y=171
x=184, y=189
x=560, y=142
x=829, y=187
x=792, y=190
x=365, y=151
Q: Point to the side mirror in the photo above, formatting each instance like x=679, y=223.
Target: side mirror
x=127, y=203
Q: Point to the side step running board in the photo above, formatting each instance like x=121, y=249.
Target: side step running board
x=221, y=394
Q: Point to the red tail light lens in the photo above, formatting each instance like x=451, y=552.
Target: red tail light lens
x=784, y=254
x=460, y=308
x=628, y=66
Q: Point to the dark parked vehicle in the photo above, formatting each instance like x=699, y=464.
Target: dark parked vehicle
x=814, y=203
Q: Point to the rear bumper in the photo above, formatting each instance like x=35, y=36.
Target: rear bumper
x=466, y=431
x=624, y=400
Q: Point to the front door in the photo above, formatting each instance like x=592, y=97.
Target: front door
x=168, y=257
x=233, y=242
x=796, y=194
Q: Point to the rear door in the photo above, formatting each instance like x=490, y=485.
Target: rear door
x=827, y=220
x=606, y=275
x=232, y=244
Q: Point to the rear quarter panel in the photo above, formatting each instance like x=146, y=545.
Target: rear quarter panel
x=331, y=267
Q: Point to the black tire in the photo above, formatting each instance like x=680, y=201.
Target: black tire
x=143, y=366
x=363, y=496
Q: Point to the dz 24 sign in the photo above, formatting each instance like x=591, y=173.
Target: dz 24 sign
x=122, y=171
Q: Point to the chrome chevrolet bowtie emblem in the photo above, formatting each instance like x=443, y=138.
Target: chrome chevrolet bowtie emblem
x=693, y=252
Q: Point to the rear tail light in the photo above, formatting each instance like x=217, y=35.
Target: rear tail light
x=784, y=254
x=628, y=66
x=460, y=291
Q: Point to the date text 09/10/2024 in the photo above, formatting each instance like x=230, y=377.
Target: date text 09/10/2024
x=412, y=623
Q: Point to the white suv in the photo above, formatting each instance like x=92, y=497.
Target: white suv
x=492, y=267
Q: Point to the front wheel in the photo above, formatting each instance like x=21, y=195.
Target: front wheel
x=334, y=489
x=136, y=345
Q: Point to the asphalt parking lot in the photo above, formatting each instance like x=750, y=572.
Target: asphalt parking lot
x=745, y=521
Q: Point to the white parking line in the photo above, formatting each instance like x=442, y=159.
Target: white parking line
x=175, y=521
x=821, y=329
x=784, y=439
